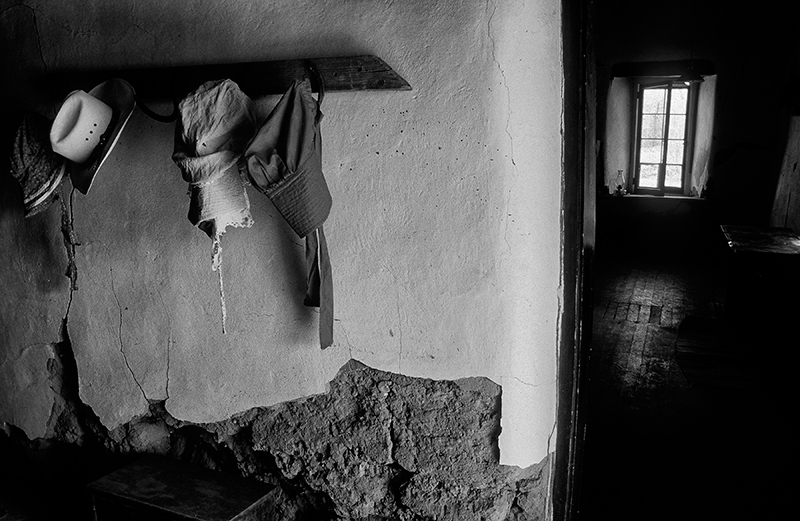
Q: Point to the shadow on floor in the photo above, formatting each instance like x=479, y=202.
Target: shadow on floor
x=660, y=446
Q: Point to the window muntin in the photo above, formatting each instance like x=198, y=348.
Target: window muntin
x=663, y=133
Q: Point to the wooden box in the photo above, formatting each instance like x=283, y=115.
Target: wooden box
x=159, y=489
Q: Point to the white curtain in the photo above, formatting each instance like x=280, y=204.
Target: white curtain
x=704, y=132
x=619, y=127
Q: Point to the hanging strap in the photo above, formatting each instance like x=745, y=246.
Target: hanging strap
x=319, y=288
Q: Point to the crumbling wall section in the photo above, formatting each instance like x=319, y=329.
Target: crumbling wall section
x=377, y=445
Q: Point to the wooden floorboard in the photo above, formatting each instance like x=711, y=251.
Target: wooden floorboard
x=658, y=448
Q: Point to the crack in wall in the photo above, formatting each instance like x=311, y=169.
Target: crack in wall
x=169, y=342
x=35, y=27
x=508, y=116
x=166, y=370
x=346, y=338
x=503, y=75
x=70, y=240
x=119, y=334
x=399, y=320
x=523, y=382
x=399, y=332
x=74, y=33
x=66, y=201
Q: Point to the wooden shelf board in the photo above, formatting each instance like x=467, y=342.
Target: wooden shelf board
x=343, y=73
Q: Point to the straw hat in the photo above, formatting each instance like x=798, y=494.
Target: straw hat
x=37, y=169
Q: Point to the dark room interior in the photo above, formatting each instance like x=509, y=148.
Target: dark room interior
x=693, y=330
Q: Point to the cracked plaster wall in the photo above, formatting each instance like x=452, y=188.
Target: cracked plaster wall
x=444, y=235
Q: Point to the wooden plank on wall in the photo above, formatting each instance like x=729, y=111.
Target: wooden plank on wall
x=344, y=73
x=786, y=206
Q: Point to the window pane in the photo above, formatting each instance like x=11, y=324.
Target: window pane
x=678, y=102
x=673, y=176
x=677, y=127
x=661, y=151
x=650, y=151
x=654, y=101
x=652, y=126
x=675, y=152
x=648, y=176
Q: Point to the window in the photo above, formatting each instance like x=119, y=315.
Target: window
x=664, y=128
x=659, y=127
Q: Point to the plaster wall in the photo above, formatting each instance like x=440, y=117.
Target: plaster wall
x=444, y=234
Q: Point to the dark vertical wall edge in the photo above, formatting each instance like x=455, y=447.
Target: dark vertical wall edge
x=576, y=165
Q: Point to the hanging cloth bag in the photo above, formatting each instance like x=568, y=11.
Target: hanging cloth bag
x=214, y=126
x=284, y=162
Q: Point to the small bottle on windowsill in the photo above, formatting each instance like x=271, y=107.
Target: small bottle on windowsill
x=620, y=184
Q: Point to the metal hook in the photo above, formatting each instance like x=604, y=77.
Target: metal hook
x=158, y=117
x=312, y=69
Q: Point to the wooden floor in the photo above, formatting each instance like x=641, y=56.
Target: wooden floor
x=659, y=446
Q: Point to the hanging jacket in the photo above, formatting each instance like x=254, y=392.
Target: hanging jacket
x=284, y=162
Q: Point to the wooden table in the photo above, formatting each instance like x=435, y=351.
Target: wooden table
x=763, y=280
x=762, y=241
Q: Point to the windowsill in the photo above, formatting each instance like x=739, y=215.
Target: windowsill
x=665, y=196
x=654, y=202
x=651, y=213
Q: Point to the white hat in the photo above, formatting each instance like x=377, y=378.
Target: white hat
x=88, y=126
x=79, y=126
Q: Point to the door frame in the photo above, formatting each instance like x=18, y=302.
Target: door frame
x=577, y=242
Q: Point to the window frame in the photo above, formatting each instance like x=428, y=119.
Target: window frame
x=638, y=87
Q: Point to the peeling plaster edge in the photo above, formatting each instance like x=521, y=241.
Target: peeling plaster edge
x=121, y=442
x=70, y=242
x=549, y=510
x=558, y=381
